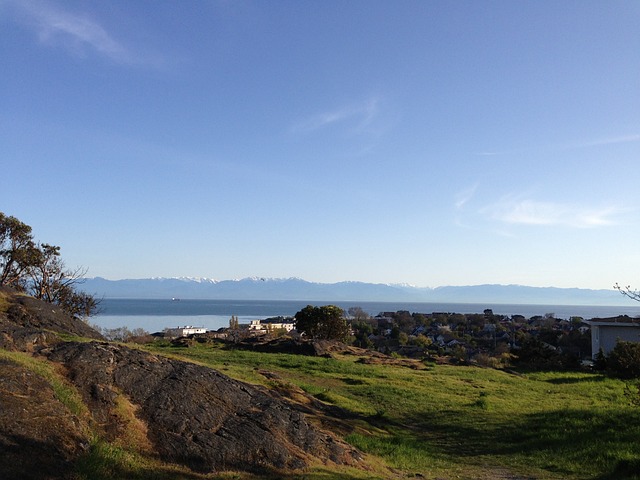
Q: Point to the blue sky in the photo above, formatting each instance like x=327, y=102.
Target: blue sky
x=423, y=142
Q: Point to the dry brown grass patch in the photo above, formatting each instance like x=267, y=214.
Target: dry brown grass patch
x=132, y=431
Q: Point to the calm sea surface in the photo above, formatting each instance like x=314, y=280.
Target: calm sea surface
x=155, y=315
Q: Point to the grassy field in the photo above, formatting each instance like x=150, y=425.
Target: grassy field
x=458, y=422
x=440, y=422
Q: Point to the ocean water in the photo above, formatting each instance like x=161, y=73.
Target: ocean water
x=155, y=315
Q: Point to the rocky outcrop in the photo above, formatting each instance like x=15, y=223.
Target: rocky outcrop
x=184, y=413
x=27, y=324
x=195, y=415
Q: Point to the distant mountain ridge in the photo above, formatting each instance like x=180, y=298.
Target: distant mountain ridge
x=258, y=288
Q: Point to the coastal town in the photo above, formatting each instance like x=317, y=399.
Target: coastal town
x=484, y=338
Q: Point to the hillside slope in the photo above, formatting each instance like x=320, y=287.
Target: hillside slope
x=59, y=396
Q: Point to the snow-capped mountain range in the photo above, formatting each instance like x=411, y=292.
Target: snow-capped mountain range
x=259, y=288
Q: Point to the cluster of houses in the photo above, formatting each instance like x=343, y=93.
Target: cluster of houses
x=254, y=328
x=447, y=330
x=450, y=330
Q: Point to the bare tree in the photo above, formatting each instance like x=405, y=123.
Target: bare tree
x=358, y=314
x=628, y=292
x=51, y=281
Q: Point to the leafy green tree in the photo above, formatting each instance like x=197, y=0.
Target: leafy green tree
x=361, y=331
x=404, y=321
x=576, y=343
x=459, y=353
x=326, y=323
x=535, y=354
x=548, y=335
x=422, y=341
x=47, y=273
x=395, y=332
x=421, y=319
x=18, y=251
x=38, y=270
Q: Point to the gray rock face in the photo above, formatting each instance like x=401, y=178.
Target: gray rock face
x=197, y=416
x=27, y=324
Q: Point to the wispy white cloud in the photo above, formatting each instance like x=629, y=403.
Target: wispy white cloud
x=495, y=153
x=489, y=154
x=76, y=32
x=531, y=212
x=463, y=197
x=588, y=143
x=358, y=116
x=612, y=140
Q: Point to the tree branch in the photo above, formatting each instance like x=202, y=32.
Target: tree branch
x=628, y=292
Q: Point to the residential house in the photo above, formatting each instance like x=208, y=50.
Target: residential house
x=184, y=331
x=264, y=327
x=606, y=332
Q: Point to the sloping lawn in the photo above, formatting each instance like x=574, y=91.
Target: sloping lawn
x=461, y=422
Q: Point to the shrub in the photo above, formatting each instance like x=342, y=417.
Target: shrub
x=624, y=360
x=600, y=362
x=486, y=360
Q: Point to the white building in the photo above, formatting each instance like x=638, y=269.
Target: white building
x=258, y=326
x=184, y=331
x=605, y=332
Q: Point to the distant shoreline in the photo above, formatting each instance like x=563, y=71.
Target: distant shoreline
x=156, y=314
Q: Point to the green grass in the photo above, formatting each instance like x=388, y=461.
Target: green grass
x=443, y=422
x=63, y=391
x=467, y=422
x=106, y=461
